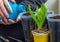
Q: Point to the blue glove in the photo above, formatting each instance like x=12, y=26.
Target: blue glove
x=16, y=10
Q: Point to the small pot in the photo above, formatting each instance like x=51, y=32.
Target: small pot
x=28, y=26
x=40, y=37
x=54, y=26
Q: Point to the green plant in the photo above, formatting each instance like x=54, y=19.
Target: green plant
x=39, y=18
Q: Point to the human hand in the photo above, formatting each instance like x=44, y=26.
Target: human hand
x=9, y=21
x=12, y=21
x=3, y=12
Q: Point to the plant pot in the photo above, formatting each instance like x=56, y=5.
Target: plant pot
x=54, y=26
x=40, y=37
x=28, y=26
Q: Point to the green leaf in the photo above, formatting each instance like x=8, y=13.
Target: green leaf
x=33, y=16
x=40, y=15
x=43, y=12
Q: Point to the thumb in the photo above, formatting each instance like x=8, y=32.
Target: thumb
x=13, y=1
x=18, y=18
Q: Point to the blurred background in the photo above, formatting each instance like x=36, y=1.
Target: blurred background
x=53, y=5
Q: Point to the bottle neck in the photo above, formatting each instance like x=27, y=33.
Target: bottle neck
x=21, y=8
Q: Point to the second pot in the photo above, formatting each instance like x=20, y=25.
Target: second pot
x=28, y=26
x=40, y=37
x=54, y=26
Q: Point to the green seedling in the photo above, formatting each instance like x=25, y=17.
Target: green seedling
x=40, y=16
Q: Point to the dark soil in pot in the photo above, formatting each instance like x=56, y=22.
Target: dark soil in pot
x=55, y=17
x=26, y=14
x=41, y=30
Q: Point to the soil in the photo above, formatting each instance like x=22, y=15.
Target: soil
x=26, y=14
x=55, y=17
x=41, y=30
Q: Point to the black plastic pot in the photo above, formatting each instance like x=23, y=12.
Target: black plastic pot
x=28, y=26
x=54, y=26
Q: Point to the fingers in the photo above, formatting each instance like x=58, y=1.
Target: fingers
x=5, y=20
x=1, y=22
x=1, y=14
x=13, y=1
x=11, y=21
x=3, y=10
x=18, y=19
x=7, y=5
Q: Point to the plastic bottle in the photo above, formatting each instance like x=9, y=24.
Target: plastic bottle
x=16, y=8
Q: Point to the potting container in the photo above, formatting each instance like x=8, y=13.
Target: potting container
x=28, y=26
x=54, y=26
x=40, y=37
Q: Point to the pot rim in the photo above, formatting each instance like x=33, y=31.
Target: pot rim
x=21, y=15
x=25, y=13
x=53, y=20
x=44, y=33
